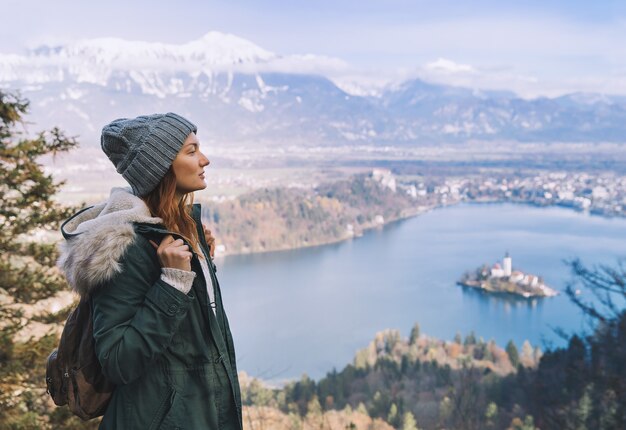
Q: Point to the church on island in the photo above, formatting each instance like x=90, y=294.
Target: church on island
x=501, y=278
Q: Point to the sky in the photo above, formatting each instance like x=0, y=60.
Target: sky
x=532, y=47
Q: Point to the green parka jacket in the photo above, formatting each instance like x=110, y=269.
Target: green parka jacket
x=171, y=358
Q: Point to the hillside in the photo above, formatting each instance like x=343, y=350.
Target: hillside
x=286, y=218
x=431, y=379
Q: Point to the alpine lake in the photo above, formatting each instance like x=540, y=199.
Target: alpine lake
x=307, y=311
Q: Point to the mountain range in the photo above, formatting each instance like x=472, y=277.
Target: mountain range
x=239, y=92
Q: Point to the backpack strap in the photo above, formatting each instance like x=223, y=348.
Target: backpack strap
x=156, y=234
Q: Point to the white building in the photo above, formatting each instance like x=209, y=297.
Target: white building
x=497, y=271
x=516, y=276
x=385, y=177
x=507, y=265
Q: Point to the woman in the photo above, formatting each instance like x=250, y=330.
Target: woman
x=142, y=257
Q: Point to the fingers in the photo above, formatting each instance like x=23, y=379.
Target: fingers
x=185, y=256
x=167, y=240
x=177, y=243
x=171, y=245
x=154, y=244
x=174, y=253
x=179, y=248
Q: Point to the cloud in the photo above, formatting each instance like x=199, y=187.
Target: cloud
x=303, y=64
x=531, y=55
x=443, y=65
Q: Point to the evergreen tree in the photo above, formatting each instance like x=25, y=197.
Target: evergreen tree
x=458, y=338
x=489, y=351
x=579, y=386
x=446, y=409
x=467, y=400
x=511, y=350
x=27, y=269
x=607, y=410
x=470, y=339
x=576, y=367
x=313, y=407
x=314, y=414
x=415, y=334
x=408, y=422
x=527, y=352
x=491, y=414
x=582, y=412
x=392, y=417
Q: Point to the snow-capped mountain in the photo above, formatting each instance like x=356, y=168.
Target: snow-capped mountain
x=97, y=61
x=239, y=92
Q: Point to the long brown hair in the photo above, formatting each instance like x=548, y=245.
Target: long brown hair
x=176, y=215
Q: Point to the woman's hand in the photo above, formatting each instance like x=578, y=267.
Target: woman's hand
x=210, y=240
x=173, y=253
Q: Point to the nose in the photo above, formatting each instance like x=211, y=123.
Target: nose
x=204, y=161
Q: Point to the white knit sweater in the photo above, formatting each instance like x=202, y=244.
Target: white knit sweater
x=183, y=279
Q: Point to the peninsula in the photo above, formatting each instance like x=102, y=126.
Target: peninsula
x=503, y=279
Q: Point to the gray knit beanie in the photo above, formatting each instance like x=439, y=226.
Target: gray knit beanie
x=142, y=149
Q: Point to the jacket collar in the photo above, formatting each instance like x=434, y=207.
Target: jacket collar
x=97, y=237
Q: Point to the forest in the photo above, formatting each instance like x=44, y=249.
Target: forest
x=287, y=218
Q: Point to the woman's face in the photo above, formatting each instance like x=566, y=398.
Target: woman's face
x=188, y=166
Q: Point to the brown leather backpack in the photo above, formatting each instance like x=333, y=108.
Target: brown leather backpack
x=73, y=373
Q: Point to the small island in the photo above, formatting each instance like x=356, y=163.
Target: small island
x=502, y=279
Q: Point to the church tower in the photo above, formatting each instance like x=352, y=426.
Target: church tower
x=507, y=264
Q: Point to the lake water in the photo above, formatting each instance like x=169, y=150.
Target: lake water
x=309, y=310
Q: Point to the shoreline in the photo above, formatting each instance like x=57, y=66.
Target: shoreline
x=413, y=213
x=477, y=285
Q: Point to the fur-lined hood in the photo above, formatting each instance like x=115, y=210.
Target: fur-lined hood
x=97, y=238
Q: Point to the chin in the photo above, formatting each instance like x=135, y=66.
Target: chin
x=194, y=188
x=200, y=187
